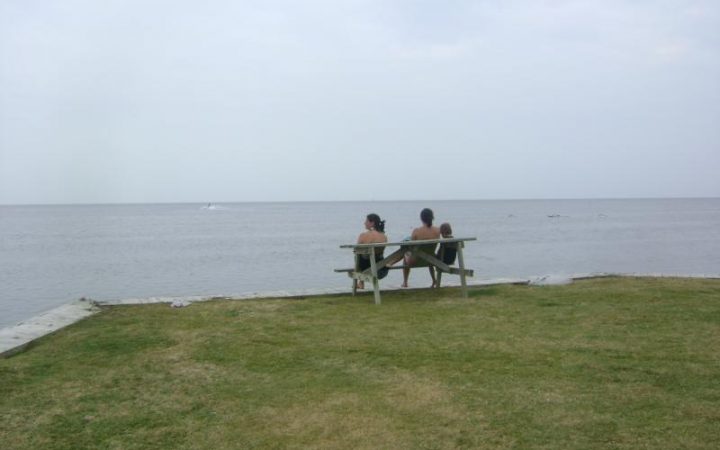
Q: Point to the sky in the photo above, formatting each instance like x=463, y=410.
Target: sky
x=218, y=101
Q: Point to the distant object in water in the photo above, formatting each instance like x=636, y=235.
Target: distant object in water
x=602, y=216
x=555, y=216
x=213, y=207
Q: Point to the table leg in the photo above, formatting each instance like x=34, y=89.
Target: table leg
x=355, y=281
x=438, y=272
x=376, y=284
x=461, y=264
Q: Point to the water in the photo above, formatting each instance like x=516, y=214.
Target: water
x=50, y=255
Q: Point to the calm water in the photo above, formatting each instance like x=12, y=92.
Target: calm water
x=50, y=255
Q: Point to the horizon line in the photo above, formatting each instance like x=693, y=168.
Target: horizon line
x=181, y=202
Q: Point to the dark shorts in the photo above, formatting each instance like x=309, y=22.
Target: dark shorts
x=364, y=263
x=449, y=255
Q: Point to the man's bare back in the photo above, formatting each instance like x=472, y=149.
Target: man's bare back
x=424, y=233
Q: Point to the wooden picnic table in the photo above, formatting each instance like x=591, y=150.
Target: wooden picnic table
x=417, y=249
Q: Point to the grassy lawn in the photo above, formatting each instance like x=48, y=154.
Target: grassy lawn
x=605, y=363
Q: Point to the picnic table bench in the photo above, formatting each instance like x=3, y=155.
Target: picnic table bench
x=421, y=250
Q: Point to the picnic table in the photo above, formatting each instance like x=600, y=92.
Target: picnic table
x=422, y=250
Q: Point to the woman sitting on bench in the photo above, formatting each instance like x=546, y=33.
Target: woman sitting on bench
x=374, y=234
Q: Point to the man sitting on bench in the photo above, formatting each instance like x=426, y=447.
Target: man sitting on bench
x=426, y=232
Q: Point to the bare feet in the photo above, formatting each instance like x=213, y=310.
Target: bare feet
x=404, y=285
x=361, y=285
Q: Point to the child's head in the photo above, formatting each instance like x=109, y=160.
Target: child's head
x=445, y=229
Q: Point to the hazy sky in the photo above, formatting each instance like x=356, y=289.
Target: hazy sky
x=163, y=101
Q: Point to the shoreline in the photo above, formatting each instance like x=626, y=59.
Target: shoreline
x=16, y=338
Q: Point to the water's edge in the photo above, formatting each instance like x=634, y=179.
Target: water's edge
x=17, y=338
x=50, y=256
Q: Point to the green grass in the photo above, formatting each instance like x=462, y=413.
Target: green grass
x=605, y=363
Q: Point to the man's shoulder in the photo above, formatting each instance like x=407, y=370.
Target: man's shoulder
x=426, y=233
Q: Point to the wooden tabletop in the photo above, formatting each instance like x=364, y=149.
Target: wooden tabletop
x=408, y=243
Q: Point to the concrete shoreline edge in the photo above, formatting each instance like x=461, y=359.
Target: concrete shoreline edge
x=15, y=339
